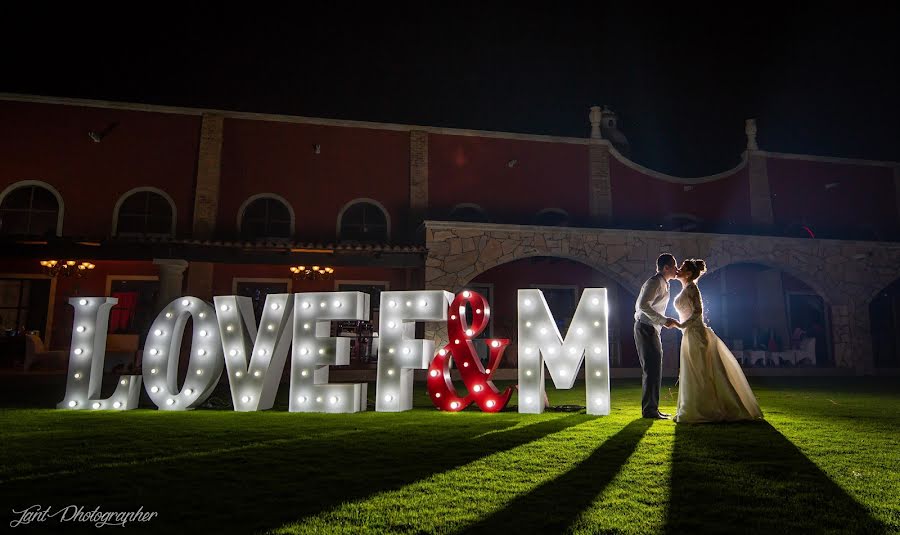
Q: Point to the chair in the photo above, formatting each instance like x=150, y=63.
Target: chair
x=784, y=358
x=37, y=354
x=807, y=351
x=757, y=358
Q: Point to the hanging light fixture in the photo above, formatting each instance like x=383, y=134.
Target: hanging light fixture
x=312, y=272
x=66, y=268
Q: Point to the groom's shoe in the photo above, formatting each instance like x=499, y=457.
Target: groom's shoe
x=664, y=415
x=657, y=416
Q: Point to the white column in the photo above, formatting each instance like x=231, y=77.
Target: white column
x=171, y=280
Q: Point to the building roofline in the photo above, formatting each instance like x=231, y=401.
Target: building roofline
x=828, y=159
x=252, y=116
x=676, y=179
x=397, y=127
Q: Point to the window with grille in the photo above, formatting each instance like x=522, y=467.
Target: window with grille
x=364, y=222
x=551, y=218
x=145, y=212
x=472, y=214
x=266, y=218
x=29, y=211
x=258, y=291
x=23, y=304
x=562, y=301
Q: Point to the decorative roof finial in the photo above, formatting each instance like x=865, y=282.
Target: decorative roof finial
x=750, y=130
x=595, y=116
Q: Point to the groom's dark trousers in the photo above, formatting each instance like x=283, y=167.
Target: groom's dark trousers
x=649, y=348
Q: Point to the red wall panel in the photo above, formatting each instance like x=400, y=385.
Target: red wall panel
x=855, y=196
x=269, y=157
x=464, y=169
x=50, y=143
x=641, y=198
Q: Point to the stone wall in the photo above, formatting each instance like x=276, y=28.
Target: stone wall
x=209, y=171
x=418, y=177
x=760, y=197
x=601, y=187
x=846, y=274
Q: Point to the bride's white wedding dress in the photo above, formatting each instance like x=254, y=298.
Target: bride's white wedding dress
x=712, y=386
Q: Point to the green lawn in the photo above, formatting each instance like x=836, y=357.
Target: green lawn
x=825, y=460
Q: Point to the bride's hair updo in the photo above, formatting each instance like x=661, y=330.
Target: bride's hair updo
x=696, y=266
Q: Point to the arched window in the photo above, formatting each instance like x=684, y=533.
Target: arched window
x=266, y=216
x=363, y=221
x=551, y=217
x=31, y=208
x=468, y=212
x=144, y=211
x=884, y=315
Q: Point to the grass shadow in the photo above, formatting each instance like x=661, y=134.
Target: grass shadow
x=747, y=477
x=556, y=504
x=287, y=481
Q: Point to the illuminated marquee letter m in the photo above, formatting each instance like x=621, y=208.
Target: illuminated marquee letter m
x=540, y=343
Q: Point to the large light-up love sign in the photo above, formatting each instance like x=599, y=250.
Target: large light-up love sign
x=227, y=337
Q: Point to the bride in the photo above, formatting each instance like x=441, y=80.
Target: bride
x=712, y=385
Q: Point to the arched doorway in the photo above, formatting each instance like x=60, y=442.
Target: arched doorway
x=767, y=317
x=884, y=315
x=562, y=281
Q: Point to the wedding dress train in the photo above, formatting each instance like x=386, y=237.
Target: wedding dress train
x=712, y=386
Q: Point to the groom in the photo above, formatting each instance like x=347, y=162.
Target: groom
x=649, y=319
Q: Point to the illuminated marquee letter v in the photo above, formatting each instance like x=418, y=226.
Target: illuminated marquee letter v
x=254, y=358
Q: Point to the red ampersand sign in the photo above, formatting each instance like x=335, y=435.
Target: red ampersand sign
x=461, y=349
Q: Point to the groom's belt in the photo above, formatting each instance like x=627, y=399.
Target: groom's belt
x=646, y=321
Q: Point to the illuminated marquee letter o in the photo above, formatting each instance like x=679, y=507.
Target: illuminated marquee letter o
x=161, y=354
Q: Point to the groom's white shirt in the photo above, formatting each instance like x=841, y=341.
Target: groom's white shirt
x=650, y=307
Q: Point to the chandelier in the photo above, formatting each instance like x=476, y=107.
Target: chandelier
x=312, y=272
x=66, y=268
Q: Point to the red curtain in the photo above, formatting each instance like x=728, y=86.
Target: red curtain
x=121, y=315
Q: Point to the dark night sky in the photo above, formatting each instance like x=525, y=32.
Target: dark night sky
x=683, y=79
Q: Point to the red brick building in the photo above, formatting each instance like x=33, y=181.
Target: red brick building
x=171, y=201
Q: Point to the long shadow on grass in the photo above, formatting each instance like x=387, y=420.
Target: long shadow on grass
x=747, y=477
x=258, y=488
x=553, y=506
